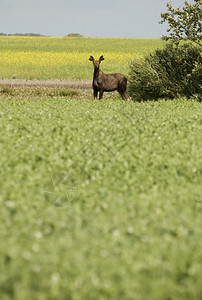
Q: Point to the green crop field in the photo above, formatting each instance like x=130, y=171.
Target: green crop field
x=98, y=199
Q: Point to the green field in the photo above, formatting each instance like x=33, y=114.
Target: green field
x=129, y=225
x=98, y=199
x=79, y=45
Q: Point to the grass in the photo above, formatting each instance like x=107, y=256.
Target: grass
x=130, y=225
x=67, y=58
x=27, y=92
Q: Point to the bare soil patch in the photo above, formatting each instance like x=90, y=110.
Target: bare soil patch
x=70, y=83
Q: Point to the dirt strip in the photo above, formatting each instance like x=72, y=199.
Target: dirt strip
x=70, y=83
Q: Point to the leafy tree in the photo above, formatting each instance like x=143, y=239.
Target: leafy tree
x=74, y=35
x=184, y=23
x=175, y=70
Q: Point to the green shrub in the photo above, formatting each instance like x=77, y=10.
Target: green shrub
x=167, y=73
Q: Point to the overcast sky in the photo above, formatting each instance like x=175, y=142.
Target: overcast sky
x=94, y=18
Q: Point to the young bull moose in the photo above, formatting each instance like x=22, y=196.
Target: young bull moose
x=108, y=82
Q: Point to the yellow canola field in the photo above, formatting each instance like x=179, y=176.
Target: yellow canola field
x=59, y=58
x=68, y=58
x=60, y=65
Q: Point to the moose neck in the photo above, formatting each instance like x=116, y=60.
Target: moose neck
x=96, y=72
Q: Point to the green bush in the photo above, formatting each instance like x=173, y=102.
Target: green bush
x=167, y=73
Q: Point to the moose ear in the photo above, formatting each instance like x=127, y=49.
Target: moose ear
x=91, y=58
x=101, y=58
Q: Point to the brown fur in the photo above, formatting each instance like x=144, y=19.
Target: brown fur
x=108, y=82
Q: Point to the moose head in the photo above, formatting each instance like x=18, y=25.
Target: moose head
x=96, y=63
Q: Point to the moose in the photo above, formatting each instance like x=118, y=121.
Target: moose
x=108, y=82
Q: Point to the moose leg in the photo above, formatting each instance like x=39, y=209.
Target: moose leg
x=122, y=91
x=126, y=96
x=122, y=95
x=100, y=95
x=95, y=93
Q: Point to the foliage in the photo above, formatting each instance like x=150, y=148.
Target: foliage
x=134, y=228
x=67, y=58
x=74, y=35
x=23, y=34
x=168, y=72
x=175, y=70
x=185, y=23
